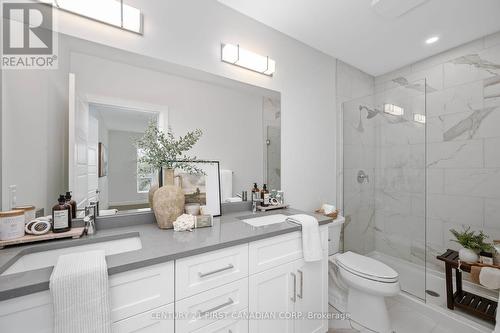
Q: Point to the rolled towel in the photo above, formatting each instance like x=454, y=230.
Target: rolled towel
x=80, y=293
x=311, y=240
x=490, y=277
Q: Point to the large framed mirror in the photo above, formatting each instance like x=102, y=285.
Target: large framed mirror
x=74, y=128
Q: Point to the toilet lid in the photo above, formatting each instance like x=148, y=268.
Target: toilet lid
x=367, y=267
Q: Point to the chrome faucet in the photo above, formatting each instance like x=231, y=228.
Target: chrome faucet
x=255, y=202
x=90, y=217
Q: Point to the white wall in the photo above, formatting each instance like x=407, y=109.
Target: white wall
x=189, y=32
x=230, y=119
x=34, y=134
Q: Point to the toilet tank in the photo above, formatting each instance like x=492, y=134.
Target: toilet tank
x=334, y=230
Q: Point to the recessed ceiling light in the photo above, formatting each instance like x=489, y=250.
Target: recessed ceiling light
x=432, y=40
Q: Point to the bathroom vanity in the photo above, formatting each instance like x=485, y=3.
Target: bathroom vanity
x=232, y=277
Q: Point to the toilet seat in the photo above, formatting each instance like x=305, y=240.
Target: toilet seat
x=367, y=268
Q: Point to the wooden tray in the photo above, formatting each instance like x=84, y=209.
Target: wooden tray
x=265, y=209
x=333, y=215
x=73, y=233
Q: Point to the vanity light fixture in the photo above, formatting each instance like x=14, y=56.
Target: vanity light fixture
x=419, y=118
x=431, y=40
x=394, y=110
x=112, y=12
x=235, y=55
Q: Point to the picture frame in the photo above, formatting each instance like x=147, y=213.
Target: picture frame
x=202, y=189
x=103, y=160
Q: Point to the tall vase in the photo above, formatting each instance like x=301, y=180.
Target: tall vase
x=168, y=201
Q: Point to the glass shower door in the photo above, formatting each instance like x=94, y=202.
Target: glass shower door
x=384, y=180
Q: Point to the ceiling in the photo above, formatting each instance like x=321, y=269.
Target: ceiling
x=353, y=31
x=116, y=119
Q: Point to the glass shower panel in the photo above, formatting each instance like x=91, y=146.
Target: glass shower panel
x=384, y=180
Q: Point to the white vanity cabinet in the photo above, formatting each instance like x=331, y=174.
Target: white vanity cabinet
x=257, y=280
x=290, y=289
x=135, y=296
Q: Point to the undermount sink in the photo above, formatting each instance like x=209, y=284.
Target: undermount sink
x=49, y=258
x=266, y=220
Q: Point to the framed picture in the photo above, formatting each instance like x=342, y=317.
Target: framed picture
x=202, y=188
x=103, y=160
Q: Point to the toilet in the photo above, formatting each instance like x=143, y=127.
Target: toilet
x=358, y=286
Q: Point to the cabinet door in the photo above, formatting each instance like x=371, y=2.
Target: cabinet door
x=272, y=292
x=312, y=296
x=159, y=320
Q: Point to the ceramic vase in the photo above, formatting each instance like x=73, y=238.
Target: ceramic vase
x=468, y=255
x=168, y=201
x=151, y=193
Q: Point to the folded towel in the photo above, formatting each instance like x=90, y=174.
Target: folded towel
x=311, y=240
x=490, y=277
x=474, y=273
x=80, y=293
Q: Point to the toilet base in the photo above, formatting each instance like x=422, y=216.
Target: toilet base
x=369, y=311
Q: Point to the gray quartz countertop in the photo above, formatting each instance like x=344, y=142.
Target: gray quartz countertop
x=158, y=246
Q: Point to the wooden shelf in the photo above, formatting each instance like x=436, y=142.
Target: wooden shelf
x=476, y=305
x=73, y=233
x=471, y=303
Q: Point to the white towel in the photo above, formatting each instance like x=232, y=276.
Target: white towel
x=490, y=277
x=80, y=293
x=311, y=240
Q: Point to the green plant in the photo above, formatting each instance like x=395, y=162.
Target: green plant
x=470, y=240
x=161, y=149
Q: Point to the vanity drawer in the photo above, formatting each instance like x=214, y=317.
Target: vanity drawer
x=141, y=290
x=159, y=320
x=206, y=271
x=226, y=326
x=268, y=253
x=206, y=308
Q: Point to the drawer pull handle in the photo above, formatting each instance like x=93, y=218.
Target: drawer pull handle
x=215, y=308
x=301, y=285
x=294, y=297
x=202, y=275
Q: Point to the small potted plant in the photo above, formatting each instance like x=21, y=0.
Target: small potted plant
x=472, y=243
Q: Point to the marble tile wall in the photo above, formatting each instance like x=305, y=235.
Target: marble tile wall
x=463, y=146
x=355, y=152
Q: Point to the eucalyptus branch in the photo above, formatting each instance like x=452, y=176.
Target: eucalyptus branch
x=163, y=150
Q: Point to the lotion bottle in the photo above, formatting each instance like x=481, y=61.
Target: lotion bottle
x=61, y=216
x=72, y=203
x=264, y=196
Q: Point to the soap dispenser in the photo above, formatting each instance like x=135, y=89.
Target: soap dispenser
x=72, y=203
x=61, y=216
x=264, y=196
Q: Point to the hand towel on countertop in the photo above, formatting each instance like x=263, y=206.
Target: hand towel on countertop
x=311, y=240
x=80, y=293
